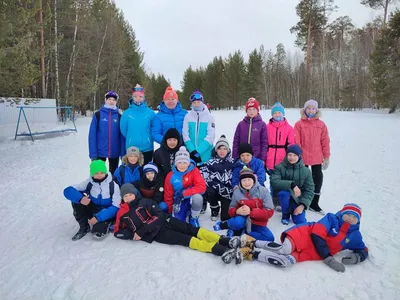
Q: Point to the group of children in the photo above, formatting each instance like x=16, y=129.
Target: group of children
x=162, y=200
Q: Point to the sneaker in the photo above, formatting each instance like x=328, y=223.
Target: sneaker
x=228, y=256
x=247, y=241
x=217, y=226
x=81, y=233
x=285, y=221
x=194, y=221
x=214, y=213
x=317, y=209
x=230, y=233
x=247, y=253
x=204, y=208
x=278, y=208
x=234, y=242
x=214, y=218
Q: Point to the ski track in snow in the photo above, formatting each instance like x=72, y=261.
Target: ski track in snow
x=39, y=260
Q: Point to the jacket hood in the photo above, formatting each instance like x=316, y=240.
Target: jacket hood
x=191, y=167
x=140, y=161
x=304, y=116
x=165, y=146
x=339, y=215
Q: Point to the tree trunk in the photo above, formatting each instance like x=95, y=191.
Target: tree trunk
x=56, y=53
x=97, y=67
x=308, y=54
x=42, y=68
x=385, y=11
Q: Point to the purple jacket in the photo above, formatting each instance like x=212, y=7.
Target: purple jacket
x=258, y=137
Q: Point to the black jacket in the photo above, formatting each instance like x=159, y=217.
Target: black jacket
x=164, y=157
x=151, y=189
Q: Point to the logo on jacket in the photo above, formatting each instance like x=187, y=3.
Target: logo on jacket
x=334, y=231
x=161, y=189
x=115, y=120
x=105, y=119
x=186, y=179
x=347, y=240
x=255, y=129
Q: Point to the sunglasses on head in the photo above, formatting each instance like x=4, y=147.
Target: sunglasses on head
x=196, y=97
x=137, y=89
x=111, y=95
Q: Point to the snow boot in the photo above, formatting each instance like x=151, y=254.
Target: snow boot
x=273, y=258
x=204, y=208
x=278, y=208
x=81, y=233
x=101, y=229
x=234, y=242
x=217, y=226
x=285, y=219
x=194, y=221
x=247, y=253
x=247, y=241
x=314, y=206
x=214, y=213
x=228, y=256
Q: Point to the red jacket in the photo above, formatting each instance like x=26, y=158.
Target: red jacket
x=189, y=183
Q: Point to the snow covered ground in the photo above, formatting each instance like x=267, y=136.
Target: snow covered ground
x=39, y=261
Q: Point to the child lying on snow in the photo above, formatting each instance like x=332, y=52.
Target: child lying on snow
x=314, y=241
x=142, y=219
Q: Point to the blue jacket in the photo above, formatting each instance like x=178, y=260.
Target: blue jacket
x=105, y=138
x=166, y=119
x=256, y=165
x=136, y=126
x=99, y=195
x=131, y=174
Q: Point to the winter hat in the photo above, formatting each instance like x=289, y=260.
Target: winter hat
x=170, y=93
x=245, y=148
x=138, y=90
x=133, y=151
x=97, y=166
x=294, y=149
x=128, y=188
x=172, y=133
x=197, y=96
x=182, y=155
x=222, y=142
x=252, y=102
x=352, y=209
x=277, y=107
x=111, y=94
x=247, y=173
x=150, y=167
x=311, y=102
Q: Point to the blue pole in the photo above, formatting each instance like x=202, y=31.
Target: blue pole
x=19, y=117
x=26, y=120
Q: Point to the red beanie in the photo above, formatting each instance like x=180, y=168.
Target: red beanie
x=252, y=102
x=170, y=93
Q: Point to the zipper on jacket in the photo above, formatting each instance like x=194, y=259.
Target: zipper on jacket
x=109, y=133
x=197, y=129
x=276, y=149
x=249, y=134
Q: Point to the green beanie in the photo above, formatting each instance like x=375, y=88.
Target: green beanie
x=98, y=166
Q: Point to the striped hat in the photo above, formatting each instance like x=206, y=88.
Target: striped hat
x=247, y=173
x=150, y=167
x=352, y=209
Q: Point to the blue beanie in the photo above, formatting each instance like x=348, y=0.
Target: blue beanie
x=294, y=149
x=277, y=107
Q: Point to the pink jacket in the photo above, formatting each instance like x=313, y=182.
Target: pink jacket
x=313, y=138
x=280, y=136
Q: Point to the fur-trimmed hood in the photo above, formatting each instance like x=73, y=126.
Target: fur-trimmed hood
x=304, y=116
x=141, y=159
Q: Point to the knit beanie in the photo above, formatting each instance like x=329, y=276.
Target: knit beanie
x=277, y=107
x=197, y=96
x=97, y=166
x=128, y=188
x=311, y=102
x=252, y=102
x=294, y=149
x=245, y=148
x=247, y=173
x=138, y=90
x=150, y=167
x=172, y=133
x=170, y=93
x=133, y=151
x=352, y=209
x=182, y=155
x=223, y=141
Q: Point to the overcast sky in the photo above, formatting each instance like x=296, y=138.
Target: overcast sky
x=174, y=34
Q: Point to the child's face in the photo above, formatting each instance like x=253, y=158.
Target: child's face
x=150, y=176
x=172, y=143
x=247, y=183
x=138, y=98
x=246, y=157
x=292, y=158
x=252, y=112
x=311, y=110
x=277, y=115
x=129, y=197
x=99, y=176
x=182, y=166
x=222, y=151
x=133, y=159
x=349, y=218
x=111, y=101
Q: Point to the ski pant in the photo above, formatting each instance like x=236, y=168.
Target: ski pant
x=177, y=232
x=214, y=198
x=83, y=213
x=147, y=157
x=192, y=205
x=318, y=178
x=239, y=223
x=112, y=163
x=274, y=197
x=288, y=206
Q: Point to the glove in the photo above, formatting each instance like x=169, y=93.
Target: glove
x=195, y=156
x=351, y=259
x=334, y=264
x=325, y=164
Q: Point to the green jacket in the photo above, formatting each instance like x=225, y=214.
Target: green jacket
x=285, y=174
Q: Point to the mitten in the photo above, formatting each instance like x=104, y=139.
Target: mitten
x=334, y=264
x=195, y=156
x=351, y=259
x=325, y=164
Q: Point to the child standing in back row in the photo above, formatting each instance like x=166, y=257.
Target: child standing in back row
x=311, y=134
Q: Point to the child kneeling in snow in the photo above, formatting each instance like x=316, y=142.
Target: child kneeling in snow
x=96, y=199
x=183, y=188
x=293, y=183
x=314, y=241
x=151, y=185
x=250, y=209
x=142, y=219
x=130, y=170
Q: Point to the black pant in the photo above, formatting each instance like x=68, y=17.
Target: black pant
x=214, y=198
x=176, y=232
x=112, y=163
x=147, y=157
x=83, y=213
x=318, y=178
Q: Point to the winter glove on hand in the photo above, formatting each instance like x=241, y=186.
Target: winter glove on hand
x=334, y=264
x=351, y=259
x=195, y=156
x=325, y=164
